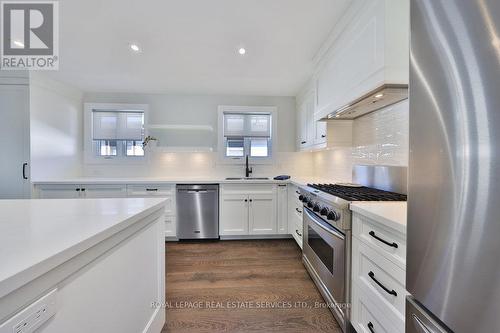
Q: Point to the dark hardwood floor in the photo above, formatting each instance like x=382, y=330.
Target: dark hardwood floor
x=242, y=286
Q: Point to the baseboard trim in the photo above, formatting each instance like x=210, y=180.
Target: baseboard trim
x=243, y=237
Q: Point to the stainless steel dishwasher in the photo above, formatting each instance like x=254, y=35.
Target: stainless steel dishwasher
x=198, y=211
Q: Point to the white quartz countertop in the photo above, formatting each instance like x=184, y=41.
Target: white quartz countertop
x=390, y=214
x=299, y=181
x=38, y=235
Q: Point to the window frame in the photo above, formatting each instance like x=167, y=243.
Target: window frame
x=272, y=146
x=90, y=155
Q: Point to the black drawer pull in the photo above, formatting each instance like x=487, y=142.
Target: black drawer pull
x=391, y=292
x=298, y=233
x=303, y=142
x=297, y=192
x=151, y=190
x=370, y=327
x=24, y=170
x=298, y=210
x=394, y=245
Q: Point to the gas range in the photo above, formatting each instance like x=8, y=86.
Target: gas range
x=331, y=201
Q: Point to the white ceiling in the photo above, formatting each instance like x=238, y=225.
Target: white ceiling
x=190, y=46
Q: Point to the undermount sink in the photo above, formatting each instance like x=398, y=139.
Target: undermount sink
x=247, y=178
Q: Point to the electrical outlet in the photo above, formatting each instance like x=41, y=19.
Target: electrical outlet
x=33, y=316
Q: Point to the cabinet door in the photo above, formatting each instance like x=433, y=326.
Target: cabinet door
x=14, y=135
x=59, y=191
x=170, y=227
x=320, y=132
x=104, y=191
x=262, y=214
x=282, y=209
x=234, y=214
x=311, y=124
x=302, y=125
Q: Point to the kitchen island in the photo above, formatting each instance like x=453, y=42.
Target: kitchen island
x=93, y=265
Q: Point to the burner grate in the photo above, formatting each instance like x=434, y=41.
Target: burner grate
x=359, y=193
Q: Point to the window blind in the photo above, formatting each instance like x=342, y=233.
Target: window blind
x=117, y=125
x=247, y=125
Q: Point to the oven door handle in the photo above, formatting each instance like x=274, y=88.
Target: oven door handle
x=323, y=225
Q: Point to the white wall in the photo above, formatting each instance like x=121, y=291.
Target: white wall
x=56, y=129
x=202, y=110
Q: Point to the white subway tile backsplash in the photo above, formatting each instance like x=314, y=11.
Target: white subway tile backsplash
x=381, y=137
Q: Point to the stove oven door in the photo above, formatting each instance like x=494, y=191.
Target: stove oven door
x=324, y=249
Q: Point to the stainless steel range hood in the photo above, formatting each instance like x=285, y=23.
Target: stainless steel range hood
x=376, y=99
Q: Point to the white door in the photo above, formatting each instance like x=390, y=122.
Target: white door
x=282, y=209
x=104, y=191
x=262, y=214
x=14, y=138
x=311, y=124
x=234, y=214
x=59, y=191
x=321, y=127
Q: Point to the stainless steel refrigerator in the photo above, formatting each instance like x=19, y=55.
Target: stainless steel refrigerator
x=453, y=254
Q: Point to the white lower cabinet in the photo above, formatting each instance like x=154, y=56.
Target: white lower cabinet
x=295, y=225
x=233, y=214
x=247, y=210
x=261, y=214
x=164, y=191
x=378, y=277
x=282, y=206
x=73, y=191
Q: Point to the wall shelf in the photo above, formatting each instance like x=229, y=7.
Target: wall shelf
x=181, y=127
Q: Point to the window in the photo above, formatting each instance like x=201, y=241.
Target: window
x=246, y=131
x=114, y=132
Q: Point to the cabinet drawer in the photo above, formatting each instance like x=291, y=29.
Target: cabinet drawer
x=150, y=190
x=388, y=242
x=366, y=317
x=381, y=280
x=163, y=191
x=297, y=231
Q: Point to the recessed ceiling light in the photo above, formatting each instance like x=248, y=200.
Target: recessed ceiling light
x=18, y=43
x=242, y=51
x=135, y=47
x=379, y=95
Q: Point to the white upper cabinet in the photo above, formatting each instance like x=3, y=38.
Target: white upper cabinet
x=311, y=133
x=368, y=48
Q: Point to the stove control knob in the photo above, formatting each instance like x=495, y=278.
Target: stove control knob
x=310, y=204
x=316, y=208
x=324, y=211
x=332, y=216
x=301, y=197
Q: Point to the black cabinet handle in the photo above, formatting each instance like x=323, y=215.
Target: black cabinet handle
x=370, y=327
x=78, y=190
x=323, y=136
x=303, y=142
x=298, y=210
x=246, y=200
x=390, y=292
x=250, y=200
x=83, y=190
x=24, y=170
x=297, y=192
x=298, y=233
x=151, y=189
x=394, y=245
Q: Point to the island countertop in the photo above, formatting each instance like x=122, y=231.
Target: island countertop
x=38, y=235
